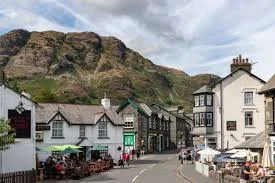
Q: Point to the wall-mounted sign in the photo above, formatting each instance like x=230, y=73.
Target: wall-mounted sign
x=129, y=140
x=39, y=136
x=21, y=123
x=231, y=125
x=42, y=127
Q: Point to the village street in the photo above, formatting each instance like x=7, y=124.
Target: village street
x=161, y=168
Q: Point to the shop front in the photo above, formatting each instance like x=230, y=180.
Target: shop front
x=129, y=142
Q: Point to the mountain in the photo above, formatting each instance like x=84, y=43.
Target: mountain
x=79, y=67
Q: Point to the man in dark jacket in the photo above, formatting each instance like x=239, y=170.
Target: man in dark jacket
x=245, y=172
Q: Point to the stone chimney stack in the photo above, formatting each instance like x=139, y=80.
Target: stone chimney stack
x=106, y=103
x=239, y=62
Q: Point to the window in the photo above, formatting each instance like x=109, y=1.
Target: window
x=248, y=98
x=56, y=153
x=57, y=129
x=209, y=100
x=102, y=127
x=82, y=131
x=154, y=123
x=201, y=100
x=209, y=119
x=248, y=118
x=128, y=121
x=104, y=152
x=197, y=119
x=202, y=119
x=197, y=100
x=150, y=122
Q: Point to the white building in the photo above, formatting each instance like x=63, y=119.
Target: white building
x=20, y=110
x=230, y=111
x=88, y=126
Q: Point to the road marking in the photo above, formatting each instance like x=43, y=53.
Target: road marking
x=181, y=176
x=152, y=165
x=142, y=171
x=135, y=178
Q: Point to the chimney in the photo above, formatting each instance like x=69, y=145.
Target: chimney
x=239, y=62
x=106, y=103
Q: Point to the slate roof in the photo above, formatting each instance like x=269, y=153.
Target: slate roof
x=76, y=114
x=204, y=89
x=256, y=142
x=270, y=85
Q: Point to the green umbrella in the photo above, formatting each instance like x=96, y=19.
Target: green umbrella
x=61, y=147
x=70, y=150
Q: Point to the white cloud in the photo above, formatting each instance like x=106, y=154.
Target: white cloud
x=193, y=35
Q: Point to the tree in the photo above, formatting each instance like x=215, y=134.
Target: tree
x=6, y=135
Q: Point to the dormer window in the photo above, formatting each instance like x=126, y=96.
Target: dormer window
x=209, y=100
x=103, y=127
x=197, y=101
x=201, y=100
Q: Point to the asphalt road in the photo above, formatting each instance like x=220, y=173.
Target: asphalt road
x=160, y=168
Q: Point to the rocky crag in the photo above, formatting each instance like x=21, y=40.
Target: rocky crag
x=79, y=67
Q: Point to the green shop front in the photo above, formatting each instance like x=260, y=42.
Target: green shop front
x=129, y=141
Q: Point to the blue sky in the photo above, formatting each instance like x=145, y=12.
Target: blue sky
x=197, y=36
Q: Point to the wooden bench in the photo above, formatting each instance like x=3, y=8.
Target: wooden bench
x=94, y=168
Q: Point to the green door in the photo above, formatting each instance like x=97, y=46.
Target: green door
x=129, y=140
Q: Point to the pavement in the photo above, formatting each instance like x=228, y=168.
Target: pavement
x=160, y=168
x=189, y=173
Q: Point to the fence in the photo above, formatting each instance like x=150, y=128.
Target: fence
x=18, y=177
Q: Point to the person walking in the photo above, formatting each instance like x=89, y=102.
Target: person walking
x=245, y=172
x=183, y=157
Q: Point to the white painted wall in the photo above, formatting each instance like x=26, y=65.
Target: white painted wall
x=234, y=108
x=21, y=155
x=71, y=134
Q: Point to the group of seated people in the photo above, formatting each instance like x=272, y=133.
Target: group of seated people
x=65, y=167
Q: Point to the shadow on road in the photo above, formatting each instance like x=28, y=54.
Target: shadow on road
x=99, y=178
x=141, y=162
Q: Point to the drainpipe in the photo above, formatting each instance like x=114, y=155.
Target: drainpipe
x=221, y=110
x=273, y=115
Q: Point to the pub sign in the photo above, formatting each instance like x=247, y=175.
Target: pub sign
x=21, y=123
x=231, y=125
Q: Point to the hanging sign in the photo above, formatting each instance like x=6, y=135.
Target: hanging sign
x=21, y=123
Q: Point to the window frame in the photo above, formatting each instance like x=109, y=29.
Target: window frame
x=248, y=99
x=128, y=123
x=57, y=131
x=202, y=118
x=197, y=100
x=207, y=100
x=103, y=127
x=209, y=121
x=247, y=123
x=82, y=131
x=196, y=119
x=202, y=100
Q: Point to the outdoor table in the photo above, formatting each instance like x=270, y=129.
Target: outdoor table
x=269, y=177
